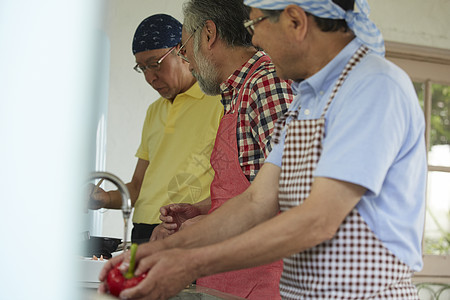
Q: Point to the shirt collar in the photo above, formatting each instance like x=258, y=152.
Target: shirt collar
x=193, y=92
x=328, y=75
x=235, y=80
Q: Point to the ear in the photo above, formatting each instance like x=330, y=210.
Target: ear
x=211, y=33
x=296, y=20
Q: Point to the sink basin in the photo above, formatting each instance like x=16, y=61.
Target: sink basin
x=89, y=271
x=192, y=293
x=195, y=292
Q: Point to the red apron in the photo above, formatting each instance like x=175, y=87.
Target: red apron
x=354, y=264
x=229, y=181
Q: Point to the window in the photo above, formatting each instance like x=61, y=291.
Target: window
x=429, y=70
x=436, y=97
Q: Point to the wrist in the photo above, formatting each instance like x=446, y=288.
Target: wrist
x=200, y=262
x=170, y=243
x=202, y=209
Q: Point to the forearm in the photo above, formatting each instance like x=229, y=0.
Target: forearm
x=293, y=231
x=134, y=187
x=233, y=217
x=275, y=239
x=219, y=225
x=115, y=197
x=203, y=206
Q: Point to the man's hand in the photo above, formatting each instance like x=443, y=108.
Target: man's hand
x=97, y=197
x=160, y=233
x=163, y=230
x=124, y=258
x=173, y=215
x=169, y=272
x=143, y=251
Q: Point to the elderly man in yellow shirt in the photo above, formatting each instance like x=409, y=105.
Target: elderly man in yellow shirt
x=178, y=133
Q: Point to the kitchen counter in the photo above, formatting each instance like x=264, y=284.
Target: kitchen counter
x=204, y=293
x=194, y=292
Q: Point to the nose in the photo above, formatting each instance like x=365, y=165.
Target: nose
x=150, y=76
x=255, y=42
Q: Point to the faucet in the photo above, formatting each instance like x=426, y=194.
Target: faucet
x=126, y=200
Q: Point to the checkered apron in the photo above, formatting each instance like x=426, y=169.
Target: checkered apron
x=352, y=265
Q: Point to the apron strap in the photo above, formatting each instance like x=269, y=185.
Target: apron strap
x=256, y=65
x=281, y=123
x=356, y=58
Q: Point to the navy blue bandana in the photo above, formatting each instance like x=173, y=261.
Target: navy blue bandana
x=157, y=32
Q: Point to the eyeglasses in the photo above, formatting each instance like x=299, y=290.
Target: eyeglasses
x=153, y=66
x=250, y=24
x=182, y=51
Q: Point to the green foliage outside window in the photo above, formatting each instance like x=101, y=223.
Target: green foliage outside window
x=440, y=112
x=440, y=117
x=439, y=135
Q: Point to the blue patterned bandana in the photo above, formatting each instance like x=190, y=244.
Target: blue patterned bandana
x=359, y=22
x=157, y=32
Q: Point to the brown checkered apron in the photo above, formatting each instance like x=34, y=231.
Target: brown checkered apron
x=352, y=265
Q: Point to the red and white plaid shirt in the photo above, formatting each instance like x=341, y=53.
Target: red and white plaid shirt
x=268, y=99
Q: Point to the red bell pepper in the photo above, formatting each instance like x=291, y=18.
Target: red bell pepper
x=117, y=282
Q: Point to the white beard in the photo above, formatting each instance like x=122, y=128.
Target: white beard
x=207, y=75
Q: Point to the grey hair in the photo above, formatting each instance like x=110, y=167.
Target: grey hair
x=227, y=15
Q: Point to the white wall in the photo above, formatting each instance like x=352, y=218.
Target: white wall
x=49, y=70
x=416, y=22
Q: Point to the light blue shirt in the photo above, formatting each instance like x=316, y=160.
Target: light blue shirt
x=374, y=137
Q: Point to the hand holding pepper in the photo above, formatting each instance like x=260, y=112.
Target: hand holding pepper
x=117, y=282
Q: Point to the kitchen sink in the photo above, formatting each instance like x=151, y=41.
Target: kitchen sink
x=194, y=292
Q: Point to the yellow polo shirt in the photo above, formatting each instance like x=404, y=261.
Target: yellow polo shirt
x=177, y=140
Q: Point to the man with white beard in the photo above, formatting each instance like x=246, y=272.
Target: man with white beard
x=223, y=60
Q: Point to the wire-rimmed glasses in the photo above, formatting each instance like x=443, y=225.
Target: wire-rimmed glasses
x=182, y=51
x=250, y=24
x=153, y=66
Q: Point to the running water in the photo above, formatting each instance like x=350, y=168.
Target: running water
x=125, y=232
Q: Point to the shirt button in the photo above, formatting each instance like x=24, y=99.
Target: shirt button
x=321, y=93
x=307, y=112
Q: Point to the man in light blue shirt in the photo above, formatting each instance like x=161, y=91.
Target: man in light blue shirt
x=374, y=137
x=348, y=171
